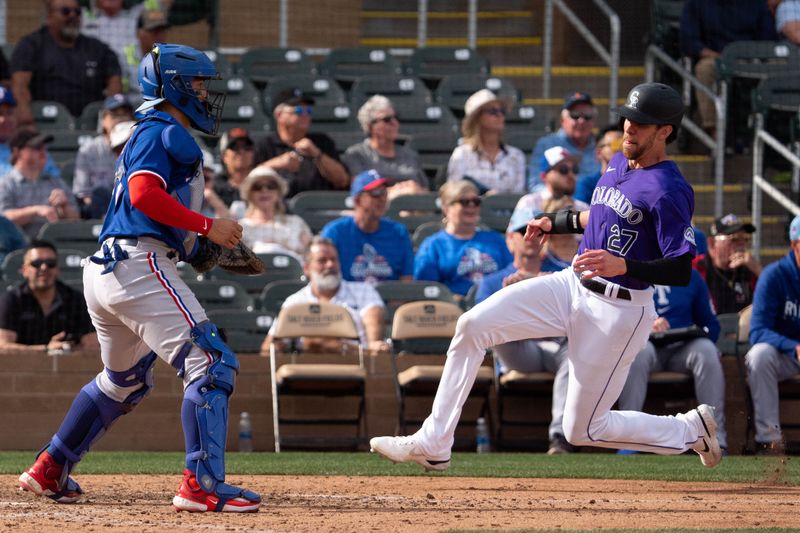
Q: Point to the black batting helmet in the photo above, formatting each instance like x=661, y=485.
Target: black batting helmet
x=654, y=103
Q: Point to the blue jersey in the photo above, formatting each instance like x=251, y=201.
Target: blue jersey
x=687, y=306
x=776, y=306
x=640, y=214
x=460, y=263
x=159, y=146
x=493, y=282
x=385, y=254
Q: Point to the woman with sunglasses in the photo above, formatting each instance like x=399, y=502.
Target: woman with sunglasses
x=461, y=254
x=266, y=227
x=482, y=155
x=398, y=163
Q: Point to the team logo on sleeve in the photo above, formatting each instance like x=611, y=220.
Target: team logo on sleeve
x=688, y=234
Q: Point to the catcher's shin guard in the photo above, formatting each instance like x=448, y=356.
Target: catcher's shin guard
x=93, y=412
x=205, y=419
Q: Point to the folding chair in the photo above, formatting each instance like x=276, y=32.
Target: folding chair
x=439, y=62
x=434, y=148
x=412, y=210
x=496, y=210
x=333, y=377
x=335, y=117
x=318, y=208
x=523, y=401
x=48, y=115
x=279, y=266
x=76, y=234
x=420, y=118
x=396, y=293
x=89, y=119
x=262, y=63
x=398, y=89
x=421, y=335
x=348, y=64
x=245, y=331
x=274, y=294
x=424, y=231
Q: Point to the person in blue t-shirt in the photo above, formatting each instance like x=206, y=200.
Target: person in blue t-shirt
x=775, y=336
x=461, y=254
x=371, y=248
x=8, y=126
x=530, y=355
x=681, y=307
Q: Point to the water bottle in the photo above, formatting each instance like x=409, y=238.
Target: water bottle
x=482, y=442
x=245, y=433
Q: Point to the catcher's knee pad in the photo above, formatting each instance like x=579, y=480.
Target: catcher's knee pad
x=205, y=409
x=93, y=411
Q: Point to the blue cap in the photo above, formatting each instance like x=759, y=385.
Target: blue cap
x=7, y=97
x=366, y=181
x=794, y=229
x=115, y=102
x=520, y=217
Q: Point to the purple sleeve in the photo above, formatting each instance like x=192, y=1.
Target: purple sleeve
x=672, y=214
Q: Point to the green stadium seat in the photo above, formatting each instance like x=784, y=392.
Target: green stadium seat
x=244, y=331
x=318, y=208
x=48, y=115
x=89, y=119
x=279, y=267
x=274, y=294
x=348, y=64
x=220, y=294
x=69, y=262
x=76, y=234
x=434, y=63
x=496, y=210
x=412, y=210
x=396, y=88
x=454, y=90
x=323, y=89
x=262, y=63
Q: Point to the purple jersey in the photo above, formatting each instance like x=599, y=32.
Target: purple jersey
x=640, y=214
x=160, y=146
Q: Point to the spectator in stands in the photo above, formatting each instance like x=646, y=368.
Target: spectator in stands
x=42, y=313
x=8, y=126
x=308, y=161
x=482, y=156
x=152, y=27
x=398, y=163
x=575, y=134
x=691, y=351
x=213, y=205
x=707, y=26
x=96, y=161
x=57, y=63
x=729, y=268
x=371, y=247
x=266, y=227
x=30, y=197
x=238, y=158
x=558, y=251
x=116, y=26
x=325, y=284
x=787, y=20
x=532, y=355
x=461, y=254
x=608, y=143
x=11, y=238
x=775, y=340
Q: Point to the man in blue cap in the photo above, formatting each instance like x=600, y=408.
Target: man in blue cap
x=8, y=126
x=371, y=247
x=775, y=336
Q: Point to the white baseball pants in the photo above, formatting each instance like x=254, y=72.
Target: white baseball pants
x=604, y=333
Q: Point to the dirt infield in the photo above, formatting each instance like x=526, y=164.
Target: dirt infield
x=419, y=504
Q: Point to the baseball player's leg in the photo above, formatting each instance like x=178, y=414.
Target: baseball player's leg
x=634, y=392
x=766, y=367
x=534, y=308
x=556, y=361
x=701, y=358
x=596, y=379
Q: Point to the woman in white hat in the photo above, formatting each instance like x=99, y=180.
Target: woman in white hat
x=266, y=227
x=482, y=155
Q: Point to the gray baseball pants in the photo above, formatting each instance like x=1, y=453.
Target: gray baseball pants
x=766, y=366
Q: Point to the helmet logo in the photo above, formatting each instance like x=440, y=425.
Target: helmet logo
x=633, y=99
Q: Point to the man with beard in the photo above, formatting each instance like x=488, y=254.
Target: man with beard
x=57, y=63
x=637, y=233
x=325, y=284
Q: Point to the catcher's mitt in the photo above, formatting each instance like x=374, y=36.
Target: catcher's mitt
x=240, y=259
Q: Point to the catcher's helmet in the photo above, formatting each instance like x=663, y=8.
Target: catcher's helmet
x=654, y=103
x=165, y=74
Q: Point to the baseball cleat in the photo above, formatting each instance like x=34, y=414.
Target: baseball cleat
x=225, y=498
x=43, y=479
x=405, y=450
x=708, y=447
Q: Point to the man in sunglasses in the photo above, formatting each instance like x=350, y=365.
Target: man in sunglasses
x=308, y=161
x=575, y=134
x=58, y=63
x=558, y=170
x=41, y=313
x=237, y=150
x=729, y=268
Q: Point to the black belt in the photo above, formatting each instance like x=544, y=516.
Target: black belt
x=600, y=288
x=172, y=254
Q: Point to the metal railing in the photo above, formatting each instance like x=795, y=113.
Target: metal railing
x=472, y=23
x=760, y=185
x=716, y=145
x=609, y=56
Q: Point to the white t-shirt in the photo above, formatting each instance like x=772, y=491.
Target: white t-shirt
x=504, y=175
x=284, y=234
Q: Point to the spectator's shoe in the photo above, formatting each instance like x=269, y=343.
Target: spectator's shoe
x=225, y=498
x=559, y=445
x=44, y=479
x=708, y=445
x=405, y=450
